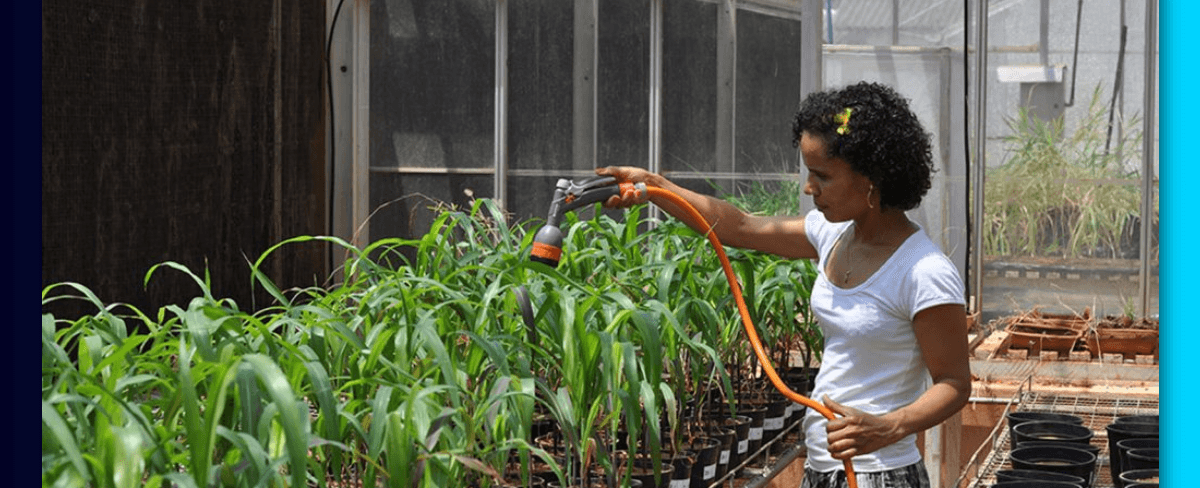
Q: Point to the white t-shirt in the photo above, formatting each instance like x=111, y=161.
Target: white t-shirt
x=871, y=360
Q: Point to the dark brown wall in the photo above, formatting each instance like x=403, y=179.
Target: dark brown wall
x=181, y=131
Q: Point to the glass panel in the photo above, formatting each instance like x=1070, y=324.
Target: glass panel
x=432, y=83
x=405, y=205
x=769, y=64
x=930, y=80
x=1062, y=216
x=623, y=109
x=540, y=73
x=689, y=86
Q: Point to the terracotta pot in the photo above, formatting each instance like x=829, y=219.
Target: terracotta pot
x=1129, y=343
x=1037, y=331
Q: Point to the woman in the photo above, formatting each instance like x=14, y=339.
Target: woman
x=889, y=303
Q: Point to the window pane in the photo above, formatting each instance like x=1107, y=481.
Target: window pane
x=432, y=79
x=541, y=50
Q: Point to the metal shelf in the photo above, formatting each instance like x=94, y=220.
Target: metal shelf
x=1097, y=412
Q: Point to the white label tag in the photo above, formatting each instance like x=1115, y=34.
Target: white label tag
x=743, y=445
x=724, y=457
x=773, y=424
x=756, y=433
x=681, y=483
x=710, y=471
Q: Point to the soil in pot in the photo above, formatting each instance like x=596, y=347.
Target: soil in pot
x=1120, y=430
x=1038, y=475
x=1064, y=459
x=1048, y=430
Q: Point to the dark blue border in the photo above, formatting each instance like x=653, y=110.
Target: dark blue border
x=1177, y=234
x=23, y=101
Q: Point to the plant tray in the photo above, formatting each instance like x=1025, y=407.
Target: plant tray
x=1037, y=331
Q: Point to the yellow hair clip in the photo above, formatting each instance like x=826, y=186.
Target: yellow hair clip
x=843, y=120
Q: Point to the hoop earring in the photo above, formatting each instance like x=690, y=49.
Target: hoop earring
x=869, y=192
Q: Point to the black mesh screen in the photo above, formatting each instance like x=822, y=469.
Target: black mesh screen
x=180, y=132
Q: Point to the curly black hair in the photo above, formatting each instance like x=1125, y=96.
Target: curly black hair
x=882, y=139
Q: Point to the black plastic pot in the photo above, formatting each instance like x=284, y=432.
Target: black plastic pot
x=1038, y=475
x=1087, y=447
x=1137, y=419
x=1142, y=458
x=704, y=468
x=644, y=473
x=1020, y=417
x=681, y=463
x=1120, y=430
x=741, y=441
x=592, y=482
x=1139, y=476
x=1123, y=447
x=1052, y=431
x=1142, y=485
x=1034, y=484
x=1059, y=459
x=728, y=438
x=757, y=415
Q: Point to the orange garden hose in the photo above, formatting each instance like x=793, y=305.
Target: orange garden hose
x=747, y=323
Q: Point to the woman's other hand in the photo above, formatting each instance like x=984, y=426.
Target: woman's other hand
x=856, y=432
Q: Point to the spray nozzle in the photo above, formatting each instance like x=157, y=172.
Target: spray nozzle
x=570, y=195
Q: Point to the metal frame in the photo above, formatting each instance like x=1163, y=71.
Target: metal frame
x=351, y=201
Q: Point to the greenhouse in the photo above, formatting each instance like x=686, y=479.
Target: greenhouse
x=479, y=243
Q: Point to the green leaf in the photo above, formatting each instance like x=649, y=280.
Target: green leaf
x=62, y=435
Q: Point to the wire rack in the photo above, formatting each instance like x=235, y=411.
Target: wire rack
x=1097, y=413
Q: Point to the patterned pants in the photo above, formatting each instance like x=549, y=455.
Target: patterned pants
x=911, y=476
